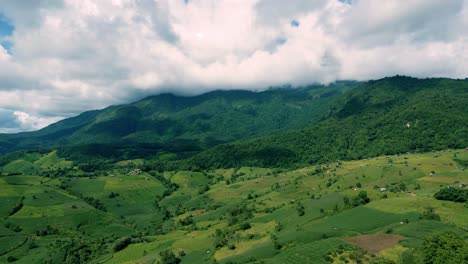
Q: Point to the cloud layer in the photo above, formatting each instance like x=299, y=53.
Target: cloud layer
x=65, y=57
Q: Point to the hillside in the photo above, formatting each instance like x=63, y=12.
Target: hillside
x=370, y=172
x=379, y=210
x=178, y=123
x=387, y=116
x=276, y=128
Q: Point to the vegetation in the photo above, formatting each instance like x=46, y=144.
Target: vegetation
x=168, y=257
x=452, y=194
x=178, y=124
x=416, y=116
x=445, y=248
x=263, y=215
x=360, y=181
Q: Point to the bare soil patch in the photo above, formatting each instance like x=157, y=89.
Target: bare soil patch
x=375, y=243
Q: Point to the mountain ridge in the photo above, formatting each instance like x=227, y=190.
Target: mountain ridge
x=368, y=121
x=274, y=128
x=208, y=119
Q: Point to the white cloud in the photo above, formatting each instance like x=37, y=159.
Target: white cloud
x=30, y=122
x=70, y=56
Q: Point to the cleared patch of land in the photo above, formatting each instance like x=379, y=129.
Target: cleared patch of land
x=375, y=243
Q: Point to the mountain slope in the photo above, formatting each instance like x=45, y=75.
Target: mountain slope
x=391, y=115
x=199, y=121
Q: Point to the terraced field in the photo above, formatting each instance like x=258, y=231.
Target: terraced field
x=52, y=211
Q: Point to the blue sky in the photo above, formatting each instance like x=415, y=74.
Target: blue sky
x=60, y=58
x=6, y=30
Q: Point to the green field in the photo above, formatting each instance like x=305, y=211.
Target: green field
x=241, y=215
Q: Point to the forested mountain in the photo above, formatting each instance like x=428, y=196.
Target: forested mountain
x=387, y=116
x=168, y=121
x=144, y=183
x=278, y=127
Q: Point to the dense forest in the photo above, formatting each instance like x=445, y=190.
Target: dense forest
x=180, y=124
x=388, y=116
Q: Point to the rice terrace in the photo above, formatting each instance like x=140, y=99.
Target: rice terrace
x=358, y=211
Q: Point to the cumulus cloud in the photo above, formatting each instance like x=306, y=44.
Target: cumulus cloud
x=67, y=56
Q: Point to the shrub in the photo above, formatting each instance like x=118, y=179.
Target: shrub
x=429, y=214
x=122, y=244
x=452, y=194
x=168, y=257
x=17, y=207
x=245, y=226
x=113, y=195
x=11, y=259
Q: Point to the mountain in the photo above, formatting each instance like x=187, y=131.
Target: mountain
x=388, y=116
x=178, y=123
x=85, y=197
x=278, y=127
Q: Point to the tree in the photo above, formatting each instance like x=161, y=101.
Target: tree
x=220, y=238
x=11, y=259
x=204, y=189
x=187, y=221
x=300, y=209
x=122, y=244
x=430, y=214
x=336, y=209
x=346, y=201
x=113, y=195
x=452, y=194
x=363, y=196
x=245, y=226
x=445, y=248
x=168, y=257
x=402, y=187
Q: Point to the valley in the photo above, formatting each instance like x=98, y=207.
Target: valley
x=329, y=213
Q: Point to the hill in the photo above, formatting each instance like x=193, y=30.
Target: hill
x=178, y=123
x=379, y=210
x=388, y=116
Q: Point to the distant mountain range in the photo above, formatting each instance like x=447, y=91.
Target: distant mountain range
x=277, y=127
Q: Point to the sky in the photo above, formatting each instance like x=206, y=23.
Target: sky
x=62, y=57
